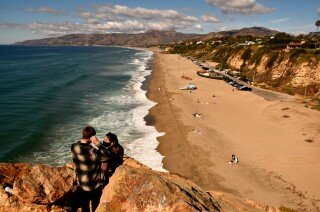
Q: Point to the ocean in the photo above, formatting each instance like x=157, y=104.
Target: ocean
x=49, y=94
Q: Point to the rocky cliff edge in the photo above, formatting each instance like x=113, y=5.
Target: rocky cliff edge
x=133, y=187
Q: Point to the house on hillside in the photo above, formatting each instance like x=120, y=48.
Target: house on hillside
x=293, y=45
x=247, y=43
x=216, y=42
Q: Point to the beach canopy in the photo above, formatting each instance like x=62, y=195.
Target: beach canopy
x=203, y=71
x=190, y=86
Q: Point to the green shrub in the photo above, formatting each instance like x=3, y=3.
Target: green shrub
x=285, y=209
x=297, y=53
x=278, y=46
x=257, y=56
x=316, y=107
x=272, y=59
x=246, y=54
x=281, y=57
x=289, y=90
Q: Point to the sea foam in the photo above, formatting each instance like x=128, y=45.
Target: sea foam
x=144, y=148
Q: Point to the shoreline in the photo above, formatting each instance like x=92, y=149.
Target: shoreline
x=269, y=139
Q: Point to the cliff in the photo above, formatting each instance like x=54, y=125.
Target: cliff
x=292, y=71
x=282, y=70
x=133, y=187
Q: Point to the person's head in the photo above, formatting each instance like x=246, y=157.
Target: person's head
x=88, y=132
x=112, y=138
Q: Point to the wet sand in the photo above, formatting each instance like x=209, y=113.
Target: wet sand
x=277, y=142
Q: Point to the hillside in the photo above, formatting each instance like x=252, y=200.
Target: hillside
x=149, y=38
x=254, y=31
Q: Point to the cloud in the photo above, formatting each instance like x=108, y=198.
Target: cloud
x=45, y=10
x=95, y=15
x=109, y=18
x=224, y=28
x=209, y=18
x=127, y=26
x=197, y=26
x=142, y=13
x=245, y=7
x=279, y=20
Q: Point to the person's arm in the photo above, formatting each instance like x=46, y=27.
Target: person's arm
x=102, y=150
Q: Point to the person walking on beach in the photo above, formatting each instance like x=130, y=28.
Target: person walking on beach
x=116, y=155
x=87, y=160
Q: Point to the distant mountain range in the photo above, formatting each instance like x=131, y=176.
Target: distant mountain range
x=149, y=38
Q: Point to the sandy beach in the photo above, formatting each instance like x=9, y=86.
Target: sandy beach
x=277, y=142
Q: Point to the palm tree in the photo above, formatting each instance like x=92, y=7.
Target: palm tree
x=318, y=25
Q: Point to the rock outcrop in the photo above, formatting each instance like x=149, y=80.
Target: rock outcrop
x=35, y=187
x=133, y=187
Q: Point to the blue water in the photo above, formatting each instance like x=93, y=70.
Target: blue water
x=48, y=94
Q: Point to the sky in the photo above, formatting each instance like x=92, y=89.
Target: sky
x=33, y=19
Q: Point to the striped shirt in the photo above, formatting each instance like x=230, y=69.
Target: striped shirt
x=88, y=164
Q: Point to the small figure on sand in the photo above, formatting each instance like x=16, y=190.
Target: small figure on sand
x=234, y=159
x=196, y=115
x=198, y=101
x=196, y=131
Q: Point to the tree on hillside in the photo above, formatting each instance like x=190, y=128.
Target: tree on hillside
x=282, y=38
x=318, y=25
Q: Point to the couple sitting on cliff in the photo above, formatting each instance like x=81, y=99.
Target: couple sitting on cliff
x=94, y=165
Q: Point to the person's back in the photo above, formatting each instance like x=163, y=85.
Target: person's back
x=116, y=158
x=87, y=166
x=87, y=160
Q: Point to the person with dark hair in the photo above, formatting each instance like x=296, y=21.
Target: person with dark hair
x=87, y=160
x=116, y=155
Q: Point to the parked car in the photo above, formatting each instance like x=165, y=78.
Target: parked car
x=245, y=88
x=227, y=79
x=246, y=80
x=238, y=85
x=233, y=83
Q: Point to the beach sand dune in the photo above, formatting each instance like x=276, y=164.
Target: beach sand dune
x=277, y=142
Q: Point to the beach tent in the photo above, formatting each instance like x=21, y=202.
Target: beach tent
x=190, y=86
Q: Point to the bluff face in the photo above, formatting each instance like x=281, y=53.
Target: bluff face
x=133, y=187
